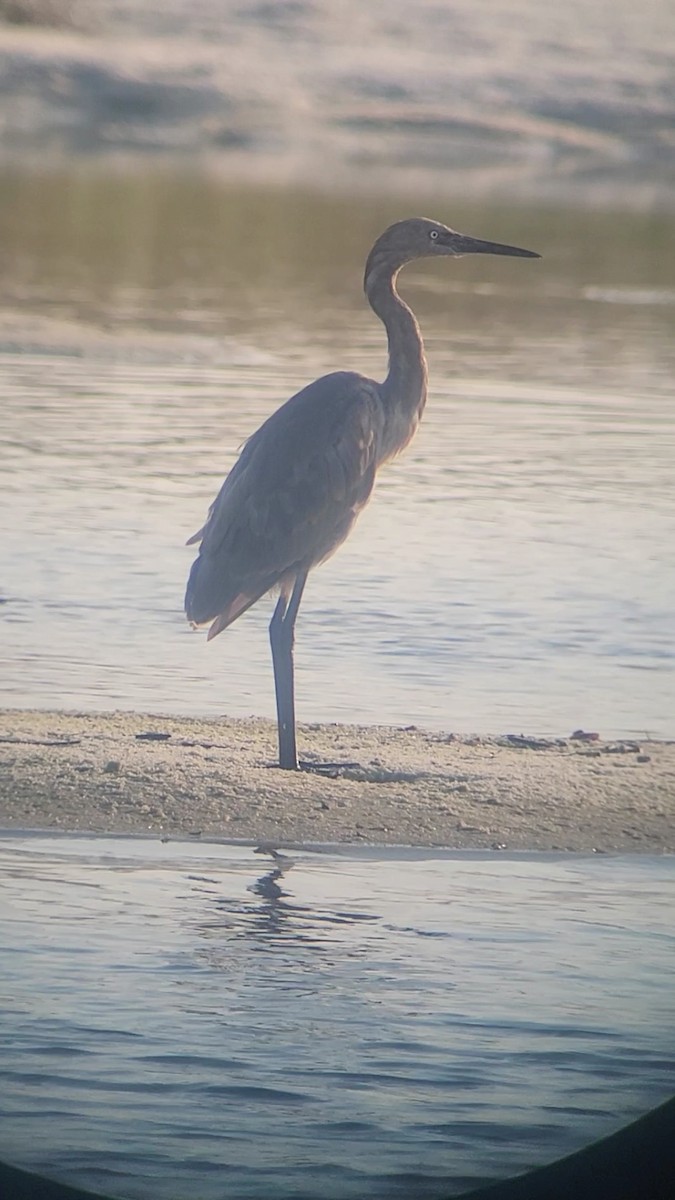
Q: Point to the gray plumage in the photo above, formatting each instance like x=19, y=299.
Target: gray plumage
x=291, y=498
x=304, y=476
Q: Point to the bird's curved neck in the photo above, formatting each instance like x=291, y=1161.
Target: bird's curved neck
x=404, y=391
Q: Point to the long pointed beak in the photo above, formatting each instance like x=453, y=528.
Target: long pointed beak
x=470, y=245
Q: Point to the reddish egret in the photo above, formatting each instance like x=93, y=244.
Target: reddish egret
x=304, y=476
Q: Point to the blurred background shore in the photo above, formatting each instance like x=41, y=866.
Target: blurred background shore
x=521, y=99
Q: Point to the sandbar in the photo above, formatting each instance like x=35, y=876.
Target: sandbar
x=135, y=773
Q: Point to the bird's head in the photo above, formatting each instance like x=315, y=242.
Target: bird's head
x=419, y=237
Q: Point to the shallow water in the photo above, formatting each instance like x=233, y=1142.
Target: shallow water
x=177, y=1019
x=515, y=569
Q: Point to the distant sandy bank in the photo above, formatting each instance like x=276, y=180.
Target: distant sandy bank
x=133, y=773
x=354, y=96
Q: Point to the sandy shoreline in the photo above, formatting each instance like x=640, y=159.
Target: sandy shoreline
x=135, y=773
x=367, y=97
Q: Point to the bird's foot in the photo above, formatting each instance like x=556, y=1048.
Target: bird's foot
x=331, y=770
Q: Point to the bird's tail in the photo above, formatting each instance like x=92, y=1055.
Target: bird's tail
x=230, y=614
x=207, y=600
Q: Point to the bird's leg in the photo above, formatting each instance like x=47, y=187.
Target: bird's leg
x=282, y=637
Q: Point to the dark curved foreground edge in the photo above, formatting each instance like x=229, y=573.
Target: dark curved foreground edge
x=636, y=1163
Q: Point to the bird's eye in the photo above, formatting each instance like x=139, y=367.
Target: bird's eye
x=433, y=234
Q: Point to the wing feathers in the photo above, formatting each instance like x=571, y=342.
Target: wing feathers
x=290, y=499
x=230, y=614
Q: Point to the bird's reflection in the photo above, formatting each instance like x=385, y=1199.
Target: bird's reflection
x=274, y=920
x=268, y=886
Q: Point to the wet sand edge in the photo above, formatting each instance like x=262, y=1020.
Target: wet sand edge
x=138, y=773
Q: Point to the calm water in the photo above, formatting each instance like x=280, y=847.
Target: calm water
x=515, y=569
x=180, y=1019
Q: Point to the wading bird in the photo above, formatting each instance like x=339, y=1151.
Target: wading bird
x=304, y=476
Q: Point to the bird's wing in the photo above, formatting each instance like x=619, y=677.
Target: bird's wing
x=292, y=496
